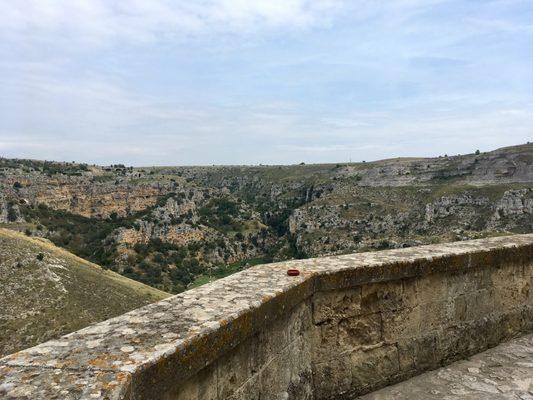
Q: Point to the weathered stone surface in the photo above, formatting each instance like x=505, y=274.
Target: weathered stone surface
x=31, y=383
x=346, y=325
x=336, y=304
x=502, y=373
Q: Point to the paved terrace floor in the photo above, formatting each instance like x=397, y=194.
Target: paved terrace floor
x=504, y=372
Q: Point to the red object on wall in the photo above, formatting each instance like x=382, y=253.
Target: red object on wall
x=293, y=272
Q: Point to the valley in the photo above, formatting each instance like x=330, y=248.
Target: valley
x=178, y=227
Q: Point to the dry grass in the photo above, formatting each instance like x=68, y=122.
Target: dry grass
x=47, y=292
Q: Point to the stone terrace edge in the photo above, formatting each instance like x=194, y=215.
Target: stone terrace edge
x=171, y=340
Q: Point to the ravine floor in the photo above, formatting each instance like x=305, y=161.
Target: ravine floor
x=504, y=372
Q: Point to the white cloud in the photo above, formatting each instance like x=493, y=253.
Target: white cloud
x=136, y=21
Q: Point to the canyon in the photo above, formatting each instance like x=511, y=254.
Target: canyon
x=179, y=227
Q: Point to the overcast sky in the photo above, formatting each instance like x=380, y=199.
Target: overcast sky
x=262, y=81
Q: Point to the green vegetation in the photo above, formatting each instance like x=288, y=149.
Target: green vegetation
x=226, y=270
x=218, y=213
x=157, y=263
x=85, y=237
x=11, y=212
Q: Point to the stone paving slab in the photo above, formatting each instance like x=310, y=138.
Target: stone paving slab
x=502, y=373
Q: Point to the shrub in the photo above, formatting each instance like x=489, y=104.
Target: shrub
x=11, y=213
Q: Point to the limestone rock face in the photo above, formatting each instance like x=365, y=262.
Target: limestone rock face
x=83, y=195
x=100, y=200
x=453, y=205
x=515, y=203
x=146, y=231
x=514, y=210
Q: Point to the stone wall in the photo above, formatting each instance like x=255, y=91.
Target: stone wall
x=345, y=326
x=376, y=334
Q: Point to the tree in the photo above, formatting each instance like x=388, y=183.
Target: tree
x=478, y=152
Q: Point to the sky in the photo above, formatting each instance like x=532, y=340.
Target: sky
x=201, y=82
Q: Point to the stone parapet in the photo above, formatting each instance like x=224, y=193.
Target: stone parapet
x=346, y=325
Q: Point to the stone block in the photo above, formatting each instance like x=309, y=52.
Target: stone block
x=359, y=331
x=301, y=383
x=333, y=378
x=250, y=390
x=436, y=314
x=527, y=318
x=479, y=303
x=459, y=283
x=324, y=339
x=236, y=367
x=373, y=368
x=405, y=323
x=202, y=386
x=418, y=353
x=299, y=321
x=270, y=342
x=336, y=305
x=459, y=308
x=275, y=377
x=208, y=384
x=511, y=287
x=431, y=288
x=386, y=296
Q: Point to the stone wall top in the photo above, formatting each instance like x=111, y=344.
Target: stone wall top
x=171, y=340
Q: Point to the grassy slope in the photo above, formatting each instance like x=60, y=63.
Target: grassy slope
x=45, y=298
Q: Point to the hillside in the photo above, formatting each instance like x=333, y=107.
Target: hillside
x=48, y=292
x=176, y=227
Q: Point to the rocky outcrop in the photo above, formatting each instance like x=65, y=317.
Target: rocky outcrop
x=515, y=203
x=101, y=201
x=461, y=206
x=514, y=209
x=145, y=231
